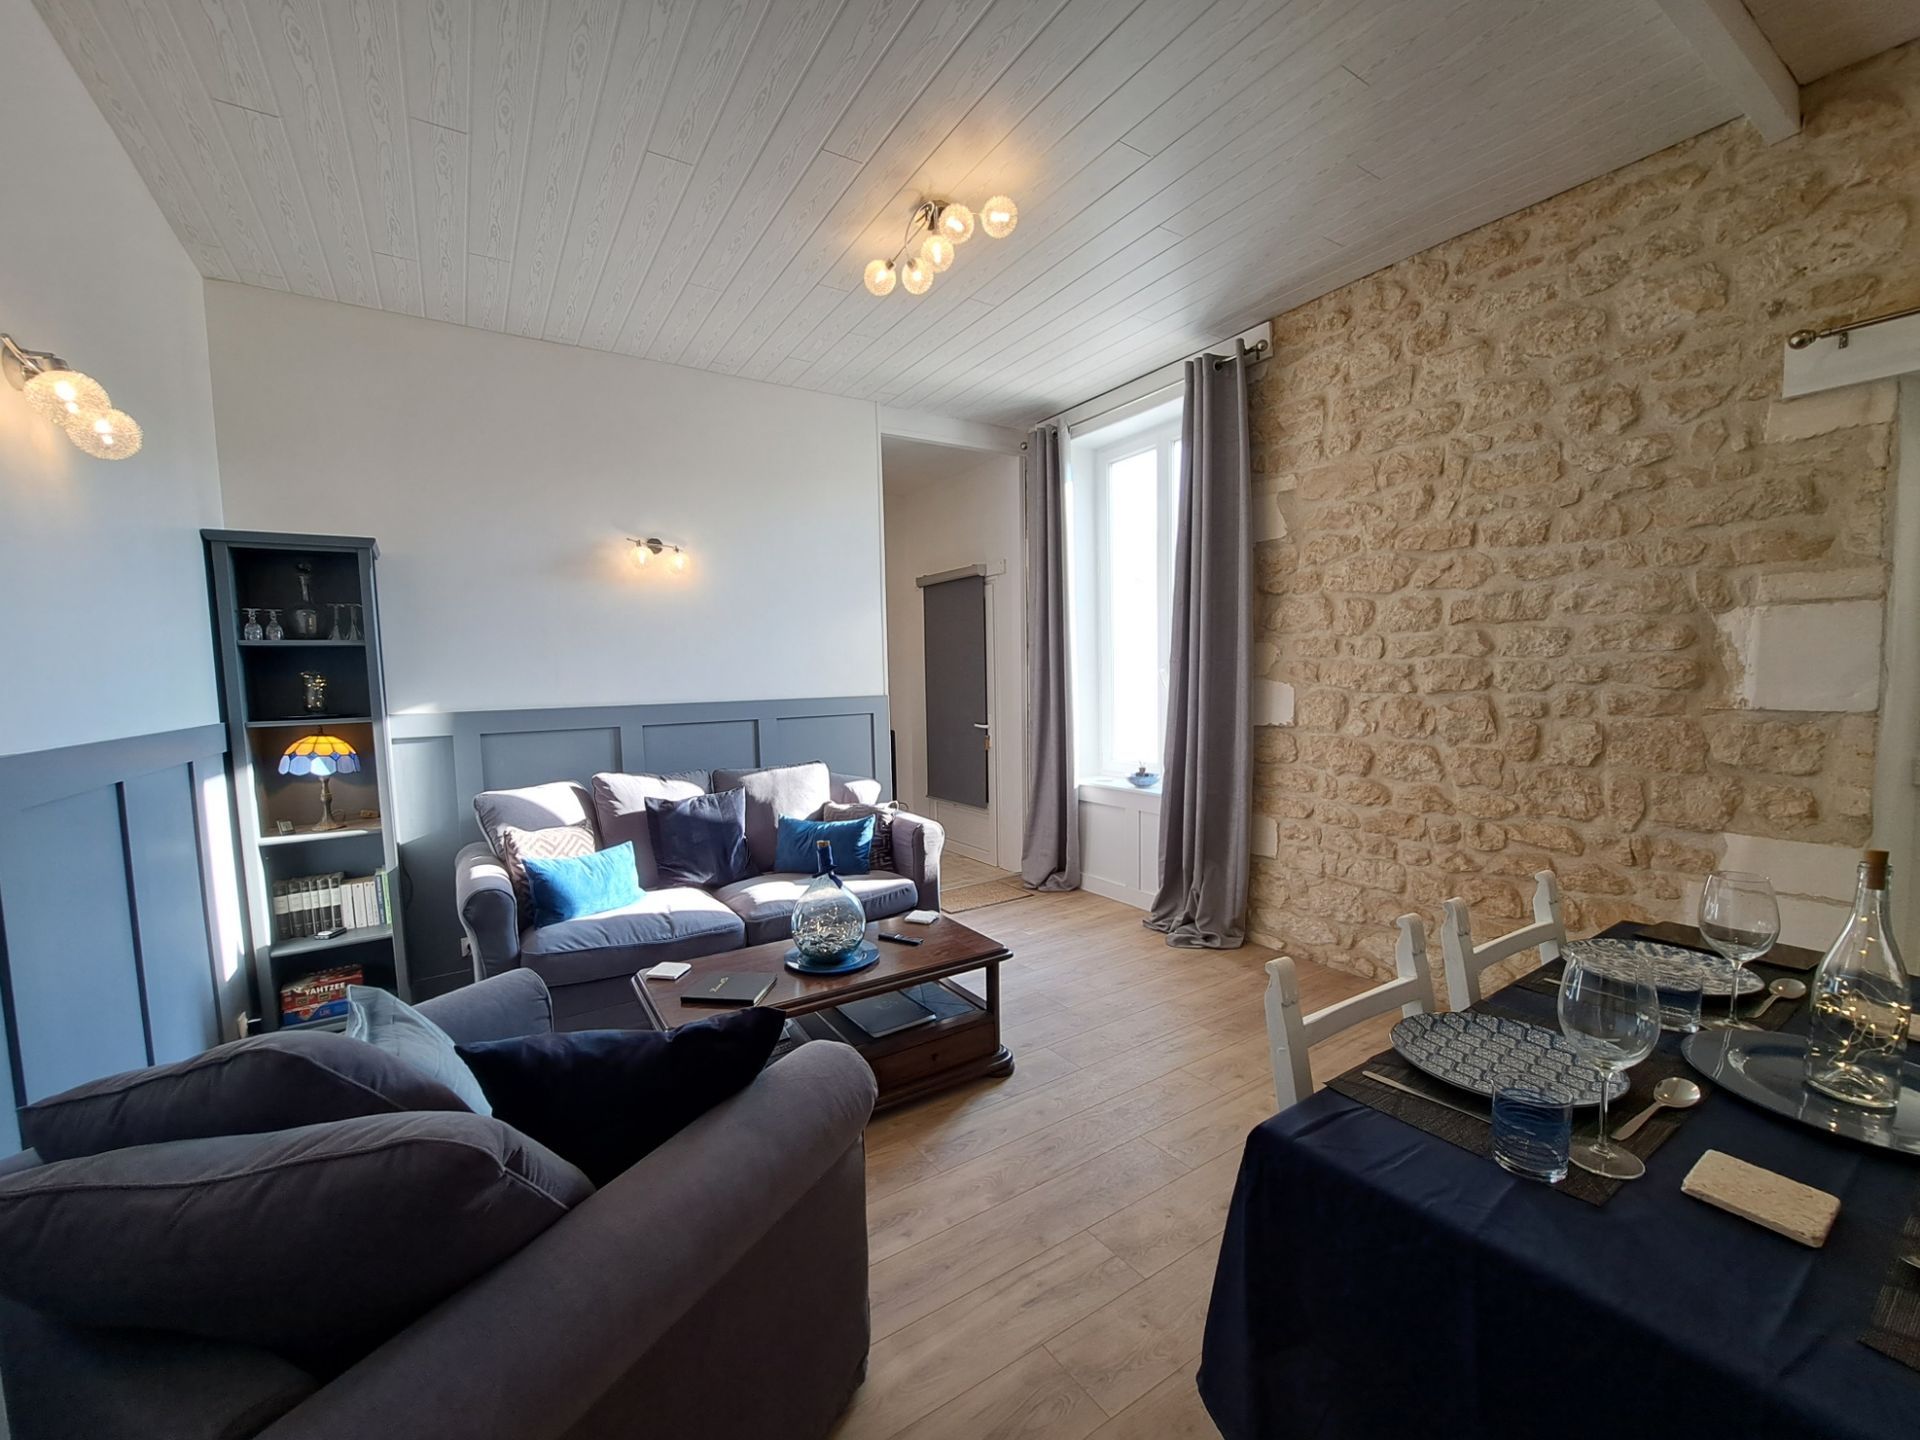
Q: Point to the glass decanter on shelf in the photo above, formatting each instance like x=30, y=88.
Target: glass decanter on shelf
x=828, y=922
x=303, y=621
x=1861, y=1003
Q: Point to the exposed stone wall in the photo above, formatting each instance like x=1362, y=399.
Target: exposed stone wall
x=1536, y=485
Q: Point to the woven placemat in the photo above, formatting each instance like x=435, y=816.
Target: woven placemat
x=1474, y=1133
x=1894, y=1329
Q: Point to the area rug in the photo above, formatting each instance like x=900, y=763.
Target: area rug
x=986, y=892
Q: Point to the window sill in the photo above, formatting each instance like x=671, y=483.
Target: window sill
x=1099, y=790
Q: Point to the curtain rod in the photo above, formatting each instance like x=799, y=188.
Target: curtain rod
x=1801, y=339
x=1257, y=353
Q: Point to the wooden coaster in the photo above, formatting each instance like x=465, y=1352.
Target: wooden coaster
x=1783, y=1206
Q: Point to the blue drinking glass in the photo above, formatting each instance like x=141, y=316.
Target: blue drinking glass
x=1532, y=1132
x=1680, y=1001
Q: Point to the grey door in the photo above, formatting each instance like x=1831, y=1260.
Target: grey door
x=956, y=659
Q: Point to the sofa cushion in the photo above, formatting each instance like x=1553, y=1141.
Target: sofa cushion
x=881, y=857
x=317, y=1243
x=387, y=1023
x=794, y=790
x=701, y=841
x=849, y=843
x=601, y=1099
x=676, y=922
x=266, y=1082
x=533, y=807
x=765, y=903
x=515, y=847
x=620, y=810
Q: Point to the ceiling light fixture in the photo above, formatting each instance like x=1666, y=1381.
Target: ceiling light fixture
x=939, y=225
x=77, y=403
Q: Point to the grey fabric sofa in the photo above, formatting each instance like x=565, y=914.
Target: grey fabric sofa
x=589, y=962
x=718, y=1288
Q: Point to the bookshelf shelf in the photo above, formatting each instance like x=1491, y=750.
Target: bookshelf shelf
x=313, y=944
x=306, y=880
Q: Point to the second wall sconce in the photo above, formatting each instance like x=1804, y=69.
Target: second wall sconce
x=76, y=402
x=647, y=551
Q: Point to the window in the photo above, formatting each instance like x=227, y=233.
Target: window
x=1128, y=479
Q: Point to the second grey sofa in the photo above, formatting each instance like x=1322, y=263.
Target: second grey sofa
x=589, y=962
x=716, y=1289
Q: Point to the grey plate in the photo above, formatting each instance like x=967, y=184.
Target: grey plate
x=1473, y=1051
x=1673, y=967
x=1770, y=1071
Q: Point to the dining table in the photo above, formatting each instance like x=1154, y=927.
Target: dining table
x=1378, y=1280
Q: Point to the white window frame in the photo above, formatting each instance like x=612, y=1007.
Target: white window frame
x=1163, y=440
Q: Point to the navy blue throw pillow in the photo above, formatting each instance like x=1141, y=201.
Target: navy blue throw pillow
x=601, y=1099
x=701, y=841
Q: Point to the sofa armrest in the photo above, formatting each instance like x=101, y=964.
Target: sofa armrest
x=525, y=1350
x=854, y=790
x=917, y=843
x=501, y=1007
x=489, y=910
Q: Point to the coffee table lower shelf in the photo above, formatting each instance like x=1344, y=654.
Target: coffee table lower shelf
x=962, y=1044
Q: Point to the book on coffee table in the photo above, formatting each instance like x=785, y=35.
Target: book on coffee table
x=887, y=1014
x=746, y=988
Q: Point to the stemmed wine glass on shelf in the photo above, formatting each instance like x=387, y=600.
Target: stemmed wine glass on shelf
x=1740, y=919
x=1610, y=1014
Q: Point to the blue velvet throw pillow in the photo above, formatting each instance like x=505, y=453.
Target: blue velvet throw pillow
x=601, y=1099
x=851, y=842
x=582, y=885
x=701, y=841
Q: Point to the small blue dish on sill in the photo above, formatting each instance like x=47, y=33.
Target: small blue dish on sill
x=1142, y=779
x=860, y=958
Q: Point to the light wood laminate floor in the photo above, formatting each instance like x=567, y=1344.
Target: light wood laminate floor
x=1043, y=1245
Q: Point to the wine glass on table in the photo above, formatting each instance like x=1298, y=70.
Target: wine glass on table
x=1740, y=919
x=1610, y=1014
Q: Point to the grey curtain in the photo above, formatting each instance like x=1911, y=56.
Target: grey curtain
x=1050, y=842
x=1206, y=788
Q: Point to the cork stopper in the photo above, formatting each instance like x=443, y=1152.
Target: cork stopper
x=1876, y=869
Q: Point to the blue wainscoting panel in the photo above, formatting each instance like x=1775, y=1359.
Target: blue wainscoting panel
x=163, y=853
x=106, y=960
x=512, y=758
x=676, y=746
x=74, y=972
x=845, y=742
x=435, y=821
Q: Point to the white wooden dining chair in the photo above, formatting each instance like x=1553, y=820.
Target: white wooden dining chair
x=1290, y=1035
x=1465, y=961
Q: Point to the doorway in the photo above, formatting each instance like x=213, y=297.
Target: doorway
x=955, y=638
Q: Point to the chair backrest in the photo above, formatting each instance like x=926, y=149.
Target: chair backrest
x=1465, y=961
x=1290, y=1034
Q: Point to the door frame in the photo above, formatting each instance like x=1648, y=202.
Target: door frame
x=992, y=574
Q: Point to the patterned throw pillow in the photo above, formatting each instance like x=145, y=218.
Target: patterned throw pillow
x=881, y=857
x=517, y=846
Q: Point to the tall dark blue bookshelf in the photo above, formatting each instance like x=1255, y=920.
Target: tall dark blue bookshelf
x=266, y=707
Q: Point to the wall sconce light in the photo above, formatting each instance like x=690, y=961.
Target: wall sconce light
x=77, y=403
x=645, y=551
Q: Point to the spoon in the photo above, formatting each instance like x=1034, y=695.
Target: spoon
x=1676, y=1092
x=1781, y=989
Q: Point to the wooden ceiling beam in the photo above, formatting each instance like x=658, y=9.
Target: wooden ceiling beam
x=1741, y=59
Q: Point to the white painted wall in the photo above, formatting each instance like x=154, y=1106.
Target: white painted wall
x=502, y=475
x=947, y=508
x=103, y=611
x=1120, y=841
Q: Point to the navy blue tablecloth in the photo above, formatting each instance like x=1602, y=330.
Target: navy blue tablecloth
x=1377, y=1281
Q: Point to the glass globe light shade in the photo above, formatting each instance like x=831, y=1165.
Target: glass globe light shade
x=937, y=251
x=880, y=277
x=66, y=396
x=641, y=554
x=998, y=217
x=917, y=276
x=679, y=559
x=956, y=223
x=112, y=436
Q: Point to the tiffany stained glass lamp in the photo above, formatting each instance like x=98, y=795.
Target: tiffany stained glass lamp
x=321, y=757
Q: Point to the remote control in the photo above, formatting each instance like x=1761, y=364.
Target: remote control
x=898, y=939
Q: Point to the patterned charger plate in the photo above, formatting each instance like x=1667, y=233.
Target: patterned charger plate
x=1672, y=966
x=1474, y=1051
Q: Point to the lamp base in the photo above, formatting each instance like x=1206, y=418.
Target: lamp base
x=326, y=820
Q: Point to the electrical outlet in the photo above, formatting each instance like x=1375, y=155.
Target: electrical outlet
x=466, y=948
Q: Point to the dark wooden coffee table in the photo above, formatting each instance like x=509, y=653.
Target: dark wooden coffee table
x=962, y=1044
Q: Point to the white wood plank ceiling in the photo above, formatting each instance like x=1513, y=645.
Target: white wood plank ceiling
x=701, y=181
